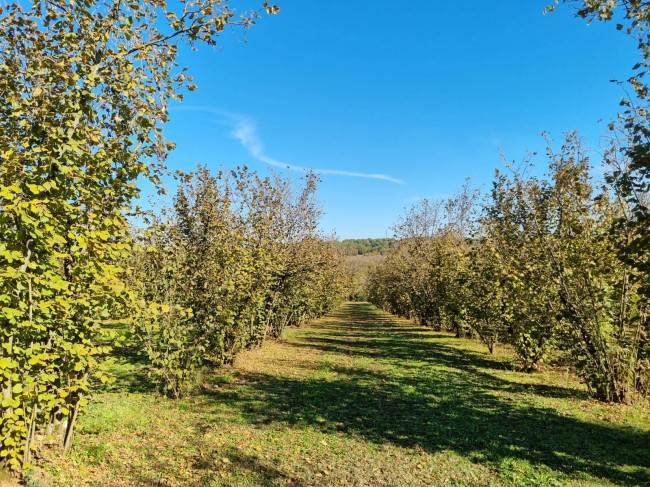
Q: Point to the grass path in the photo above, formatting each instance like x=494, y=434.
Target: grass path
x=361, y=398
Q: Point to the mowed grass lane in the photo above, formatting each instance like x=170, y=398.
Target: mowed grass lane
x=362, y=398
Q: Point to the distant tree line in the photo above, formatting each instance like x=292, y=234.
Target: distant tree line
x=366, y=246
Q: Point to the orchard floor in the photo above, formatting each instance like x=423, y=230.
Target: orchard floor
x=361, y=398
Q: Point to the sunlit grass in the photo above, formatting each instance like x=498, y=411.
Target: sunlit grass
x=361, y=398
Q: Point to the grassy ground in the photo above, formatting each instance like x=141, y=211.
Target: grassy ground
x=362, y=398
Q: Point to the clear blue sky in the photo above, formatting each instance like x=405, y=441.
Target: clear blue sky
x=420, y=92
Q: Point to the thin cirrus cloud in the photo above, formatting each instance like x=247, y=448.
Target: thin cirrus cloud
x=244, y=129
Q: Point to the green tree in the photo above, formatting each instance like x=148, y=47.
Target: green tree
x=516, y=219
x=632, y=179
x=550, y=266
x=489, y=312
x=568, y=284
x=426, y=266
x=236, y=259
x=84, y=93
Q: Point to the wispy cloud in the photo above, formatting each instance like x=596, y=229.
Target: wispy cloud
x=244, y=129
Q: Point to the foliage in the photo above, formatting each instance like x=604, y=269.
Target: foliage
x=359, y=266
x=366, y=246
x=548, y=268
x=235, y=259
x=515, y=221
x=632, y=137
x=422, y=277
x=83, y=95
x=489, y=311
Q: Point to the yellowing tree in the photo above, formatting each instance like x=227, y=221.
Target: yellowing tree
x=236, y=259
x=84, y=91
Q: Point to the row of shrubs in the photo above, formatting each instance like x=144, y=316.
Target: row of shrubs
x=552, y=264
x=85, y=91
x=237, y=258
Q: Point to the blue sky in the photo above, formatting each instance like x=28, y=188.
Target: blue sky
x=396, y=102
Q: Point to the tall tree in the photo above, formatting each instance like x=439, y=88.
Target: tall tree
x=632, y=179
x=84, y=92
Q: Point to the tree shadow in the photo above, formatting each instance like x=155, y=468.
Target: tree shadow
x=439, y=354
x=452, y=406
x=130, y=371
x=265, y=475
x=208, y=466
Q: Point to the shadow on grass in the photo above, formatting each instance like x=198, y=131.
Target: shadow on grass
x=130, y=372
x=265, y=475
x=208, y=464
x=445, y=401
